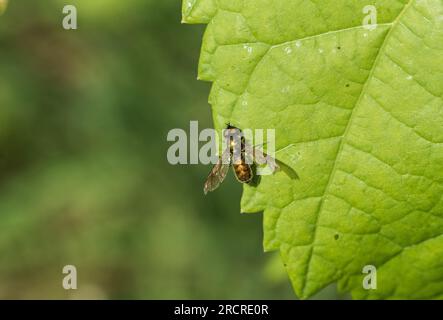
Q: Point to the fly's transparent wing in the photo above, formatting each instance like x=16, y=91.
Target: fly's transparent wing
x=275, y=165
x=287, y=169
x=260, y=157
x=216, y=177
x=217, y=174
x=263, y=159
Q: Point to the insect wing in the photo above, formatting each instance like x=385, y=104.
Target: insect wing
x=274, y=164
x=261, y=158
x=217, y=175
x=287, y=169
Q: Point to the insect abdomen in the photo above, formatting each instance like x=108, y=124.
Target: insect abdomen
x=243, y=172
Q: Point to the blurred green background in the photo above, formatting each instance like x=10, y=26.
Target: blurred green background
x=84, y=178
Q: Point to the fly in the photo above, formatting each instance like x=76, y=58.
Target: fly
x=242, y=159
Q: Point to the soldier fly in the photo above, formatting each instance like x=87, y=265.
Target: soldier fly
x=242, y=157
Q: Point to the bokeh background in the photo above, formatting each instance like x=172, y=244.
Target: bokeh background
x=84, y=178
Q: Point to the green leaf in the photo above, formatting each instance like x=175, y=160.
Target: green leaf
x=358, y=114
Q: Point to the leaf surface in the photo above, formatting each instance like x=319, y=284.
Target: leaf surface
x=358, y=114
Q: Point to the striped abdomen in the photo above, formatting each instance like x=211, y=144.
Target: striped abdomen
x=243, y=172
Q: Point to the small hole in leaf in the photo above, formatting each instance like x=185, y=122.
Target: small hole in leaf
x=348, y=85
x=336, y=236
x=338, y=47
